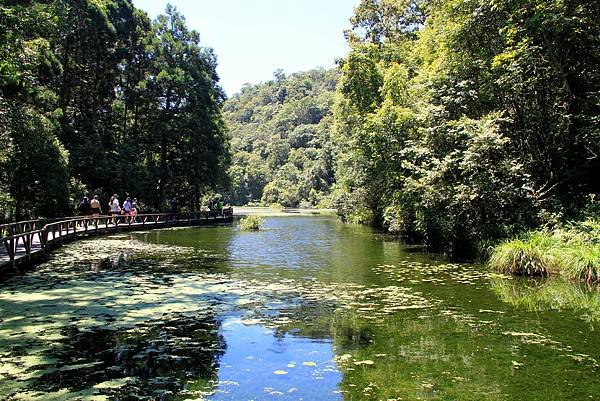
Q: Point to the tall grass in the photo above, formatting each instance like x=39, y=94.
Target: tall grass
x=582, y=262
x=572, y=251
x=525, y=257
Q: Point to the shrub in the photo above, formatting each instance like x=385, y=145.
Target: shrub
x=252, y=222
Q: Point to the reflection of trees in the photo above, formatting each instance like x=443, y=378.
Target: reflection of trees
x=163, y=356
x=410, y=358
x=546, y=294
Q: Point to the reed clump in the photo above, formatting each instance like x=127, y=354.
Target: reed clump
x=572, y=251
x=525, y=257
x=582, y=263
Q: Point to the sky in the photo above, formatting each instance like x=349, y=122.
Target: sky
x=253, y=38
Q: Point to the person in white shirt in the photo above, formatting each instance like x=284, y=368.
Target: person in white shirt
x=96, y=208
x=115, y=209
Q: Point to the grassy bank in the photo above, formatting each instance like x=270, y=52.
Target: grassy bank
x=572, y=251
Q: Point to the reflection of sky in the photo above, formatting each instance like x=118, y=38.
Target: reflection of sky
x=283, y=242
x=300, y=242
x=253, y=355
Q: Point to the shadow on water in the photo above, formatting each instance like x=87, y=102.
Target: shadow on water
x=158, y=358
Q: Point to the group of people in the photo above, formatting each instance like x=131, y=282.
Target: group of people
x=93, y=208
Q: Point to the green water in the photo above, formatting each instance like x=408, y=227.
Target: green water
x=306, y=309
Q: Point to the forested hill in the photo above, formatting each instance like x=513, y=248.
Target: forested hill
x=95, y=98
x=280, y=134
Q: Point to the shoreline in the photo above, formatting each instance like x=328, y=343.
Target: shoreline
x=285, y=212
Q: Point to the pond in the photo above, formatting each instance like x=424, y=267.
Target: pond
x=306, y=309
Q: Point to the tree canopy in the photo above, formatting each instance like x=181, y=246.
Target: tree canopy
x=95, y=98
x=468, y=121
x=281, y=140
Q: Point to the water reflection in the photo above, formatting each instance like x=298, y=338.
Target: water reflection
x=155, y=359
x=550, y=294
x=307, y=309
x=262, y=364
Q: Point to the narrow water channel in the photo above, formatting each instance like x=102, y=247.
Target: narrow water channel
x=306, y=309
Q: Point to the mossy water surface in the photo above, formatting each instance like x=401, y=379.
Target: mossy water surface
x=305, y=309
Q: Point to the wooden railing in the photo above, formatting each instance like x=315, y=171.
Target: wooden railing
x=24, y=237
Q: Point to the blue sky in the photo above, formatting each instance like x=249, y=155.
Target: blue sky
x=252, y=38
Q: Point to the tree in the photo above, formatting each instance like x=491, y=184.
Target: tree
x=466, y=122
x=281, y=140
x=107, y=100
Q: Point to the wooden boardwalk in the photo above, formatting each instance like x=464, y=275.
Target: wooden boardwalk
x=26, y=242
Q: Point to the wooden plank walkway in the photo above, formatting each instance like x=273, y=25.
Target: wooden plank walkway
x=24, y=242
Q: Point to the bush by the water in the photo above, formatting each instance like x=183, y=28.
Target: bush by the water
x=251, y=222
x=525, y=257
x=572, y=251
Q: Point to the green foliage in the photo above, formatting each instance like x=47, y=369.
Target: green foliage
x=460, y=123
x=280, y=139
x=252, y=222
x=92, y=92
x=572, y=250
x=529, y=257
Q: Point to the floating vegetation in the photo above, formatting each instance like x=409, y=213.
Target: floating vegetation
x=172, y=315
x=252, y=222
x=152, y=358
x=415, y=272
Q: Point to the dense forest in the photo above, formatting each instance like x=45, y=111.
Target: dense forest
x=95, y=98
x=467, y=121
x=282, y=151
x=454, y=123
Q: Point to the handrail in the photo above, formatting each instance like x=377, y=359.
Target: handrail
x=23, y=234
x=19, y=226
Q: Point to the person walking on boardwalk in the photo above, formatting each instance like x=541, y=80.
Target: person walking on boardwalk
x=114, y=207
x=96, y=209
x=134, y=210
x=95, y=205
x=85, y=209
x=127, y=208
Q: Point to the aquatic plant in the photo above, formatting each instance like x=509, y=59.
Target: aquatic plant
x=251, y=222
x=572, y=251
x=526, y=257
x=582, y=262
